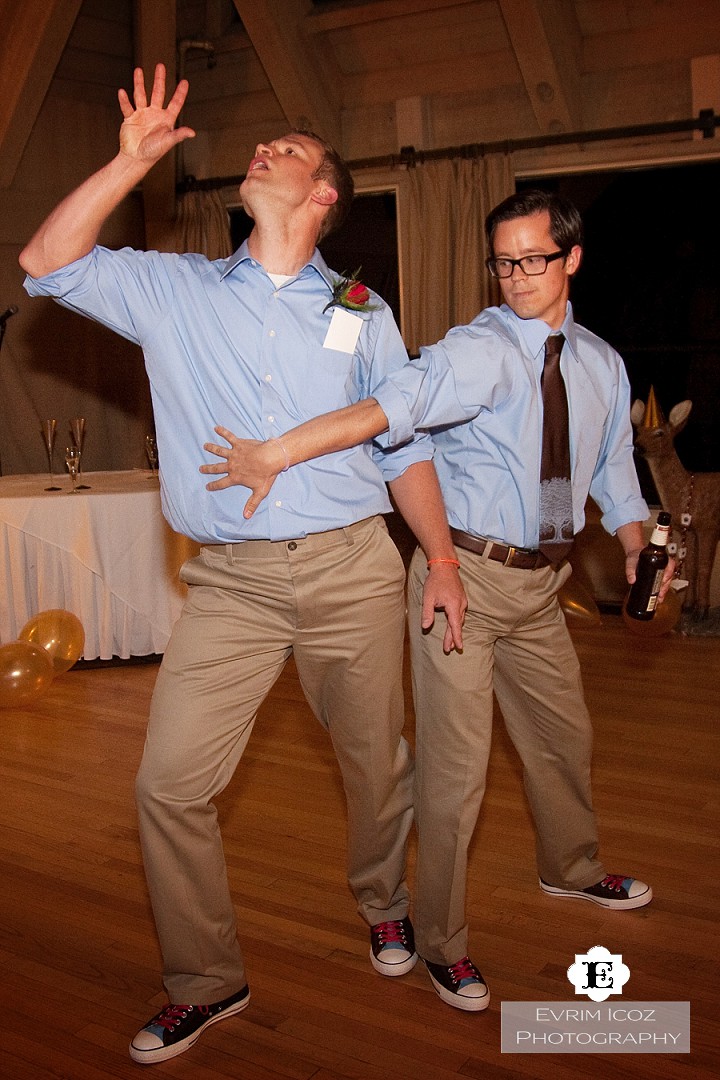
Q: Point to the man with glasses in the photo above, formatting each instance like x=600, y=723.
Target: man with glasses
x=485, y=391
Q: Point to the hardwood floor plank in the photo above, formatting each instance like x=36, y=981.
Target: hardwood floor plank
x=77, y=944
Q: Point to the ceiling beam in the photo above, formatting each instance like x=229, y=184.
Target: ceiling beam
x=35, y=33
x=550, y=65
x=293, y=66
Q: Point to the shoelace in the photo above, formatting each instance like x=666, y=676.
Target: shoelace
x=613, y=881
x=463, y=969
x=390, y=931
x=171, y=1015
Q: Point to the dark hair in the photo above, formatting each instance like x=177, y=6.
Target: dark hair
x=565, y=222
x=333, y=169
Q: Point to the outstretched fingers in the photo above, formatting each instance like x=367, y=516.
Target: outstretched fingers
x=139, y=95
x=126, y=107
x=157, y=96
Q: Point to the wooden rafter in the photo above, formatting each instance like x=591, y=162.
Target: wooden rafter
x=550, y=71
x=294, y=69
x=35, y=33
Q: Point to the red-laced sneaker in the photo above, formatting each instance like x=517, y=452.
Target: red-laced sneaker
x=392, y=947
x=177, y=1027
x=614, y=891
x=460, y=985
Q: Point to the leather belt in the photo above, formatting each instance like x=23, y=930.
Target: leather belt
x=517, y=558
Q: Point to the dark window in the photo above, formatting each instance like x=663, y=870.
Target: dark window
x=650, y=285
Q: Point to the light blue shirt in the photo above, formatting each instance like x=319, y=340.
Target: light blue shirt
x=484, y=379
x=224, y=346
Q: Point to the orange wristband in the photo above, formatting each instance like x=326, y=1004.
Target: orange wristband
x=452, y=562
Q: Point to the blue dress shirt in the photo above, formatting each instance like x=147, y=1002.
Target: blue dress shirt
x=223, y=345
x=484, y=379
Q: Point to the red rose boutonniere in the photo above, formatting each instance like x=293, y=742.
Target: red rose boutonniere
x=350, y=293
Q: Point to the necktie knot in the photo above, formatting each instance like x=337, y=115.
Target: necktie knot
x=553, y=345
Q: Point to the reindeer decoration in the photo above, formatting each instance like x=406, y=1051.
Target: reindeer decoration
x=692, y=499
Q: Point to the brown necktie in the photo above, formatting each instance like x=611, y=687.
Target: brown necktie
x=556, y=519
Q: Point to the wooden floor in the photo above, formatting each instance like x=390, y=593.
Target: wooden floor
x=77, y=947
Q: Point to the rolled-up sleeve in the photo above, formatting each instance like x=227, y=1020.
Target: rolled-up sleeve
x=128, y=291
x=440, y=388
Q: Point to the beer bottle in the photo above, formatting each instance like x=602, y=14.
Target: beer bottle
x=643, y=596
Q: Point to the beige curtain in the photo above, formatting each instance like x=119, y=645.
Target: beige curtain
x=203, y=225
x=446, y=280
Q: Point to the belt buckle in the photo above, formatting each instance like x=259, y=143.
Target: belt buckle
x=510, y=556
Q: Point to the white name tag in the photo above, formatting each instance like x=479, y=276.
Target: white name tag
x=343, y=331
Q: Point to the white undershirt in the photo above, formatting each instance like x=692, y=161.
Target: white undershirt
x=280, y=279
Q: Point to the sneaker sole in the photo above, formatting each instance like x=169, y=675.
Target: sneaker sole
x=392, y=970
x=164, y=1053
x=467, y=1004
x=618, y=905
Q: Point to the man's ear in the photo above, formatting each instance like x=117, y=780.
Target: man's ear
x=573, y=260
x=325, y=195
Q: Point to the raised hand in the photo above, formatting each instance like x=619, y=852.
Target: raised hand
x=148, y=130
x=147, y=133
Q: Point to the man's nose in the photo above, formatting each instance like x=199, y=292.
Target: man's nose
x=263, y=148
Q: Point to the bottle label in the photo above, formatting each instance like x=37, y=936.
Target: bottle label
x=653, y=598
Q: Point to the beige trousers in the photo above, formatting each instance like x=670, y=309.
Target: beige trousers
x=335, y=600
x=515, y=642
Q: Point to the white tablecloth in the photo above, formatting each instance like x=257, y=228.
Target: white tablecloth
x=105, y=554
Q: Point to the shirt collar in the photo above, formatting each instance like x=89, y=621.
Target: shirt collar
x=316, y=264
x=534, y=332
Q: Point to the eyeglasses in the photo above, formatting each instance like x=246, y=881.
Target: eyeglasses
x=532, y=265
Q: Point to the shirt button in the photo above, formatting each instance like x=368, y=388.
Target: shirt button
x=271, y=419
x=268, y=378
x=278, y=502
x=272, y=333
x=292, y=546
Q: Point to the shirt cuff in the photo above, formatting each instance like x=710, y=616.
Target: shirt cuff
x=635, y=510
x=399, y=418
x=58, y=281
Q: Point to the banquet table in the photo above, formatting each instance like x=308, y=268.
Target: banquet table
x=106, y=554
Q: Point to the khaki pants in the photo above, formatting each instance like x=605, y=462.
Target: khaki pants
x=335, y=600
x=515, y=641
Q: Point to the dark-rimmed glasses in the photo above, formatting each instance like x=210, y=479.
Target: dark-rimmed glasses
x=532, y=265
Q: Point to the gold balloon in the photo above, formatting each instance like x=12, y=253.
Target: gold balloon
x=577, y=604
x=665, y=618
x=26, y=672
x=59, y=633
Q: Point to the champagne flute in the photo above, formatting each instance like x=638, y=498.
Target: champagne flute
x=77, y=428
x=72, y=460
x=152, y=454
x=48, y=432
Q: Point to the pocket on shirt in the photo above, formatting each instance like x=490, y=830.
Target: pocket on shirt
x=328, y=376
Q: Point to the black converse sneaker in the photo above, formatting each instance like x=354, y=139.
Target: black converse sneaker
x=392, y=947
x=614, y=891
x=460, y=985
x=177, y=1027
